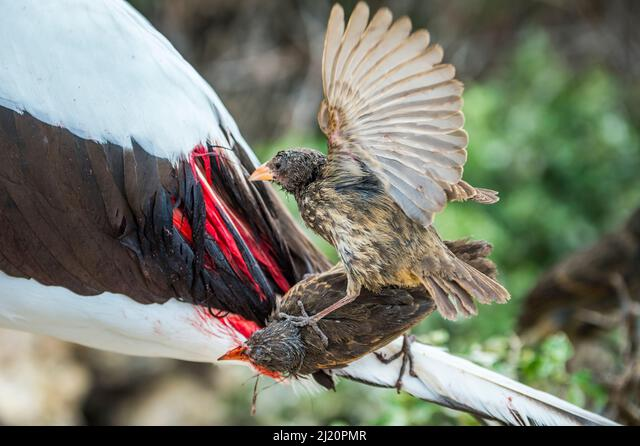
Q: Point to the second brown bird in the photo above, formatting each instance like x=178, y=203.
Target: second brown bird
x=282, y=349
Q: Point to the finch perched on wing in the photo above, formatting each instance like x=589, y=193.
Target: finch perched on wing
x=392, y=117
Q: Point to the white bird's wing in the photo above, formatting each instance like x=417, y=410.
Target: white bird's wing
x=123, y=174
x=454, y=382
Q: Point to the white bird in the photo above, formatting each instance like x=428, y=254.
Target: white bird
x=128, y=223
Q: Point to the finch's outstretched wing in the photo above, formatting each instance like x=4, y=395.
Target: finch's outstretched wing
x=391, y=103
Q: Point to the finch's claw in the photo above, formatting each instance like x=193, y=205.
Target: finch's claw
x=304, y=321
x=407, y=358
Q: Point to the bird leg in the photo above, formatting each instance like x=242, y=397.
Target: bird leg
x=407, y=358
x=304, y=321
x=353, y=291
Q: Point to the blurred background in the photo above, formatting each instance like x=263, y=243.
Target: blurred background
x=552, y=104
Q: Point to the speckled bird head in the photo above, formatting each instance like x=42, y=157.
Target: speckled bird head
x=274, y=350
x=292, y=169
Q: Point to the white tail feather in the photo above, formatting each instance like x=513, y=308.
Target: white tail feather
x=454, y=382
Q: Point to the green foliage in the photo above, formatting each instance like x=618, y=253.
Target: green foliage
x=544, y=368
x=558, y=145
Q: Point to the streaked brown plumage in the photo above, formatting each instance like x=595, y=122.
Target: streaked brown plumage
x=353, y=330
x=584, y=282
x=392, y=116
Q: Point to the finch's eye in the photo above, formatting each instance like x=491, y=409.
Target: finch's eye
x=278, y=165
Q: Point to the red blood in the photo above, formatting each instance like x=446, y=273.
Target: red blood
x=241, y=325
x=222, y=235
x=217, y=229
x=181, y=223
x=237, y=325
x=220, y=232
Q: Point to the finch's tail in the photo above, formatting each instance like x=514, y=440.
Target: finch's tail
x=471, y=278
x=474, y=253
x=463, y=191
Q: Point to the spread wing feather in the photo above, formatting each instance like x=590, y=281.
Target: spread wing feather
x=390, y=102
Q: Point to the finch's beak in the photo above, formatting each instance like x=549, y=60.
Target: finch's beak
x=262, y=173
x=237, y=354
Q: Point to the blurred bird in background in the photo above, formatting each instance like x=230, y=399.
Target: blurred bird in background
x=576, y=295
x=392, y=117
x=588, y=294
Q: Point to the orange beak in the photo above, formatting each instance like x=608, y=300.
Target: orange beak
x=262, y=173
x=236, y=354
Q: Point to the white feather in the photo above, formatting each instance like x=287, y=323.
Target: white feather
x=99, y=69
x=454, y=382
x=177, y=330
x=114, y=322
